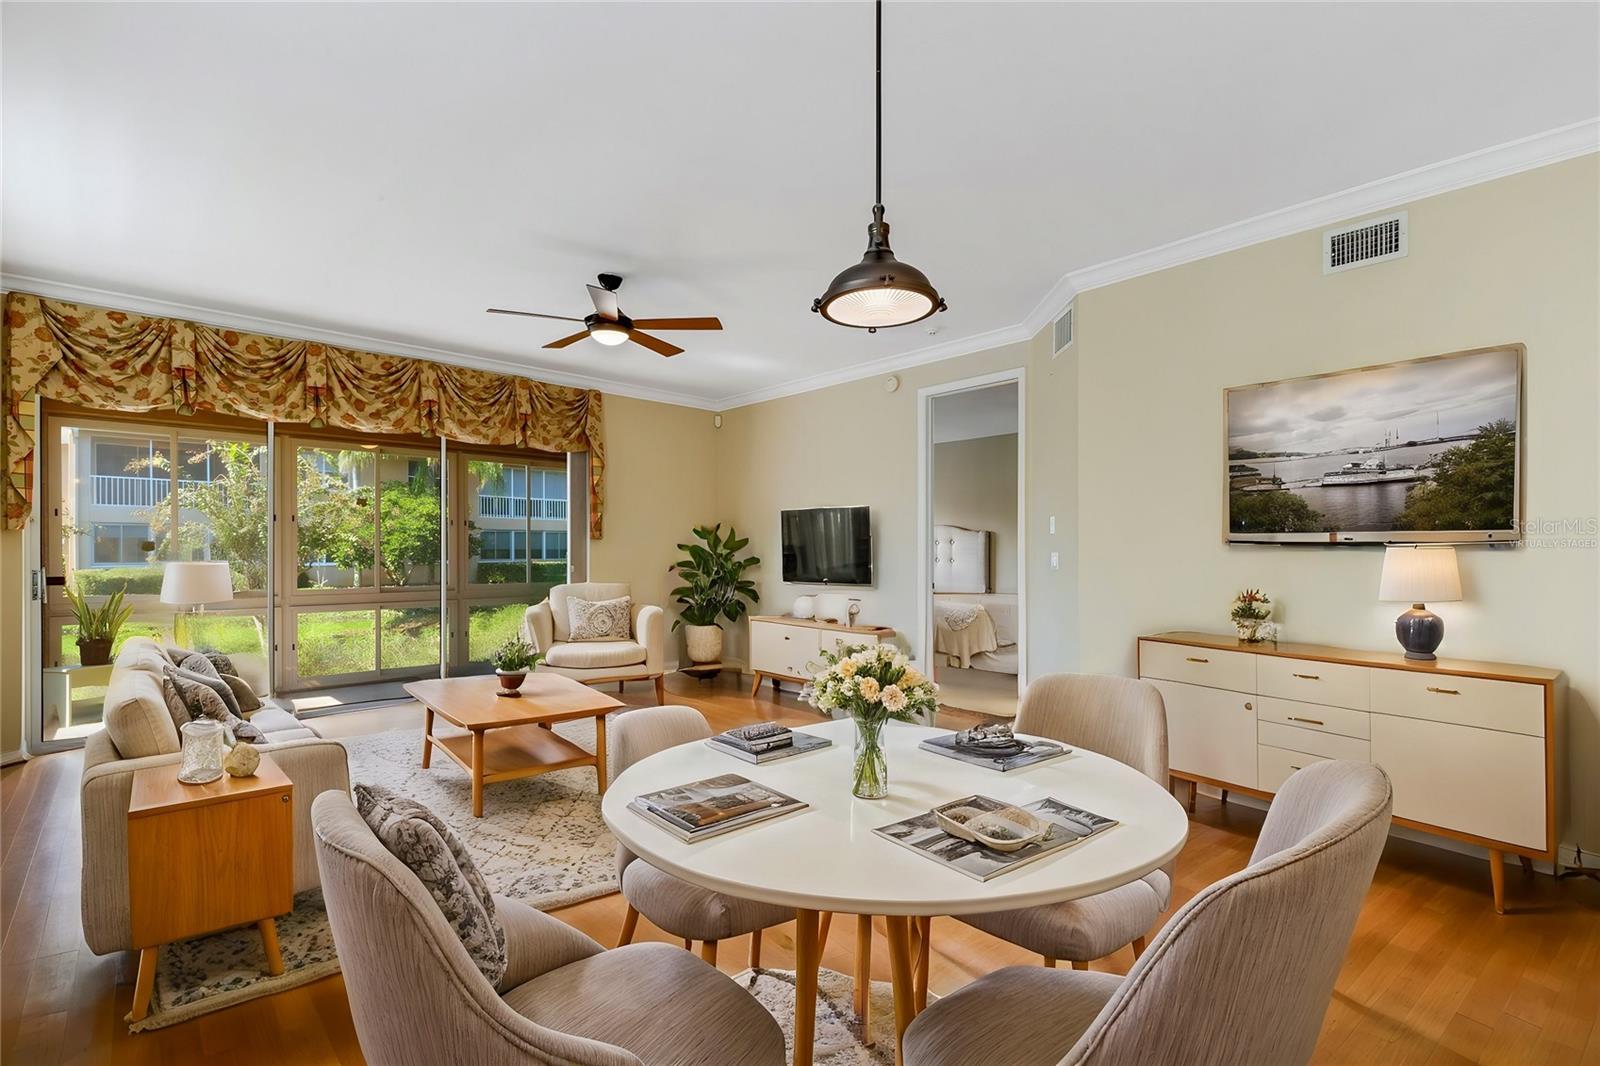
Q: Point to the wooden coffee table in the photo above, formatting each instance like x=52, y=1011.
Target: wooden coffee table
x=510, y=737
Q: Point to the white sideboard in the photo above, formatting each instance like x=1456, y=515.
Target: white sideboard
x=782, y=647
x=1469, y=746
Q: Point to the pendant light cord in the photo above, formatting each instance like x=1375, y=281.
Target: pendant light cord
x=879, y=188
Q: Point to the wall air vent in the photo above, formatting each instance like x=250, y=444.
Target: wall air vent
x=1063, y=331
x=1364, y=243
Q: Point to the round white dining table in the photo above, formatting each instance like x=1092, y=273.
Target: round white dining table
x=827, y=857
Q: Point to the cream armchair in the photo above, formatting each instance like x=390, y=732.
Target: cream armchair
x=643, y=656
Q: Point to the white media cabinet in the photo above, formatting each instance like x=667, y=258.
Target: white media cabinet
x=1469, y=746
x=781, y=646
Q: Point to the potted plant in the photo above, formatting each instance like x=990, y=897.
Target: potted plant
x=872, y=683
x=512, y=662
x=713, y=582
x=1250, y=613
x=97, y=626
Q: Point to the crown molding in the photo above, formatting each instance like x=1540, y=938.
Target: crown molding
x=1474, y=168
x=143, y=305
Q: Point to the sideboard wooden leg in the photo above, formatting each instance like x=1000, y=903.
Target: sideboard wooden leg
x=1527, y=864
x=755, y=685
x=1497, y=878
x=1194, y=790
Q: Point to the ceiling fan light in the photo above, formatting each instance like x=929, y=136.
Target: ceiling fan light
x=609, y=334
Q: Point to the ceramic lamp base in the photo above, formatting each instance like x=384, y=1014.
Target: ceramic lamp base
x=1419, y=631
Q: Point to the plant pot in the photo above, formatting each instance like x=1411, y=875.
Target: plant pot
x=94, y=652
x=704, y=643
x=510, y=681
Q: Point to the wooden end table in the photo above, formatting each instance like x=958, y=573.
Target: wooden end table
x=207, y=857
x=510, y=737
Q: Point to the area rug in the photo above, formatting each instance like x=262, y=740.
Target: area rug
x=541, y=840
x=839, y=1039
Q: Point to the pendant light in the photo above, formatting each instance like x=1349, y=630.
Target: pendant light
x=880, y=290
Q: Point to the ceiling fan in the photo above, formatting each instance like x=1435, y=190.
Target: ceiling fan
x=609, y=325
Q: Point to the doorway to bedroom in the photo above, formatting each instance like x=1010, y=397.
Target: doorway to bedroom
x=973, y=581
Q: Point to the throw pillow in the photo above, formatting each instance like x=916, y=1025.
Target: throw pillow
x=202, y=700
x=175, y=705
x=242, y=692
x=205, y=670
x=431, y=850
x=223, y=664
x=599, y=619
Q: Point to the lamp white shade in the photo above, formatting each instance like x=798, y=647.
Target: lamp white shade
x=1419, y=575
x=191, y=583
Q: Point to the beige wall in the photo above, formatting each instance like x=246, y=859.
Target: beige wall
x=660, y=484
x=975, y=487
x=12, y=593
x=1511, y=260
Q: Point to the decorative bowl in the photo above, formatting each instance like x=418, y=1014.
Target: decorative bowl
x=1006, y=829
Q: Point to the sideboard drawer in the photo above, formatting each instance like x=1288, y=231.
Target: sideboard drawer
x=1341, y=720
x=1274, y=765
x=1328, y=745
x=1210, y=732
x=781, y=649
x=1335, y=684
x=1235, y=670
x=1511, y=706
x=1480, y=781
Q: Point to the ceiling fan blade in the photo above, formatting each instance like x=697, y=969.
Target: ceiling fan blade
x=679, y=323
x=605, y=302
x=655, y=344
x=564, y=341
x=532, y=314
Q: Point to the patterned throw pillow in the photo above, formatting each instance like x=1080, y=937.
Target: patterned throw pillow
x=243, y=693
x=200, y=699
x=217, y=659
x=599, y=619
x=431, y=850
x=204, y=670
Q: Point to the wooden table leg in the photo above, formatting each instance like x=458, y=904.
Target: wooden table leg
x=661, y=689
x=427, y=737
x=600, y=752
x=863, y=999
x=1497, y=878
x=921, y=971
x=477, y=773
x=269, y=942
x=823, y=925
x=905, y=1007
x=808, y=958
x=145, y=983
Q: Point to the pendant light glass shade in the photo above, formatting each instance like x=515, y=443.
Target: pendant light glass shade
x=879, y=291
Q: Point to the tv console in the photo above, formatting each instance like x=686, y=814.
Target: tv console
x=781, y=645
x=1470, y=747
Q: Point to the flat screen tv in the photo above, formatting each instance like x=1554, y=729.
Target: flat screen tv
x=828, y=546
x=1421, y=451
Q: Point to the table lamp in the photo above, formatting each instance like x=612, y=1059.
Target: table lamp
x=1417, y=575
x=195, y=584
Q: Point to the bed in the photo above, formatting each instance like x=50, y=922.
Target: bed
x=973, y=628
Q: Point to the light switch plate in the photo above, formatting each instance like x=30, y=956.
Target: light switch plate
x=1055, y=560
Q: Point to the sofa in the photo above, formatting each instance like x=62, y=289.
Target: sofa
x=138, y=733
x=643, y=656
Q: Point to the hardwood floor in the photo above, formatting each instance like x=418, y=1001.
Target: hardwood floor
x=1433, y=975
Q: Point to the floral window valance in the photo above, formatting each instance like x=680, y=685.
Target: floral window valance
x=120, y=361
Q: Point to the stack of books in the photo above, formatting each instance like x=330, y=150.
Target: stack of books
x=704, y=809
x=765, y=742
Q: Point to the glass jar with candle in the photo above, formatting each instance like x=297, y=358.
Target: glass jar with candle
x=204, y=744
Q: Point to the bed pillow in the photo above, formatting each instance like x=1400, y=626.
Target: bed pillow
x=431, y=850
x=599, y=619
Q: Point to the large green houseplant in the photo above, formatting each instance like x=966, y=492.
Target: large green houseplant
x=714, y=586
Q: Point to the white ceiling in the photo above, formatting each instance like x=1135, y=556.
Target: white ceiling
x=390, y=170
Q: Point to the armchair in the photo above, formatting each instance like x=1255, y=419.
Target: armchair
x=641, y=657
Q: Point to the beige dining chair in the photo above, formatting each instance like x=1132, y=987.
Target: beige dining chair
x=1123, y=719
x=1241, y=975
x=418, y=999
x=674, y=905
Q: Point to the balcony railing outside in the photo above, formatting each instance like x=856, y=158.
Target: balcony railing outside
x=517, y=507
x=126, y=490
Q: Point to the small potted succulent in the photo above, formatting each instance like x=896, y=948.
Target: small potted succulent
x=513, y=660
x=97, y=626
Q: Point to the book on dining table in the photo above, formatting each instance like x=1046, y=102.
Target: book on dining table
x=796, y=744
x=1068, y=825
x=716, y=805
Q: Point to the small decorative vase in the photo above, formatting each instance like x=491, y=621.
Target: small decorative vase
x=204, y=745
x=94, y=652
x=1254, y=631
x=871, y=776
x=704, y=643
x=804, y=607
x=511, y=682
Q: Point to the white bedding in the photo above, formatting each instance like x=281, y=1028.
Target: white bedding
x=987, y=642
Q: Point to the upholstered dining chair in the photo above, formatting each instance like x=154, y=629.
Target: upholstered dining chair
x=1123, y=719
x=672, y=904
x=1241, y=974
x=418, y=998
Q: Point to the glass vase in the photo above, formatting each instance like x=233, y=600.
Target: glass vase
x=871, y=767
x=204, y=744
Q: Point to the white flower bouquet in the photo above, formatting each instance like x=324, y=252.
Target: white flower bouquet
x=873, y=684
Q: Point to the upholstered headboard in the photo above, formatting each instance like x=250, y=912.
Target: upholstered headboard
x=960, y=559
